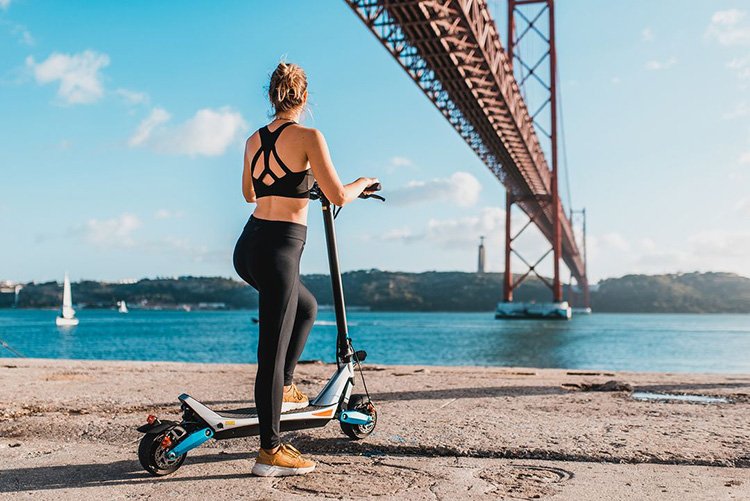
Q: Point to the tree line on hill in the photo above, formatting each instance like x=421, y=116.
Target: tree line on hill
x=399, y=291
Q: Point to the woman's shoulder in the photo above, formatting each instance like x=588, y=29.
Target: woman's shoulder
x=309, y=134
x=252, y=139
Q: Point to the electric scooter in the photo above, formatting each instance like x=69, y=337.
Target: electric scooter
x=165, y=443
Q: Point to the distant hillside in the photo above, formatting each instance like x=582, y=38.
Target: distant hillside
x=428, y=291
x=686, y=292
x=159, y=292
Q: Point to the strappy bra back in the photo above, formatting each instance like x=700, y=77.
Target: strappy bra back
x=291, y=184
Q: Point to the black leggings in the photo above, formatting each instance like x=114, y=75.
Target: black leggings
x=267, y=257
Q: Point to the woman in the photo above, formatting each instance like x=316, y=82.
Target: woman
x=282, y=160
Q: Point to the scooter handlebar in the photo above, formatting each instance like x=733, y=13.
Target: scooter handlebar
x=372, y=187
x=316, y=192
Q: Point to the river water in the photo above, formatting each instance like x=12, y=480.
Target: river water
x=632, y=342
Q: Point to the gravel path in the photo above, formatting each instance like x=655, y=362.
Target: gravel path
x=67, y=430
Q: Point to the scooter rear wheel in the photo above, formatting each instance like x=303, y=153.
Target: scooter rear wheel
x=362, y=404
x=153, y=457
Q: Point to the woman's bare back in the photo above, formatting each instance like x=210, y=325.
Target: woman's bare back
x=291, y=150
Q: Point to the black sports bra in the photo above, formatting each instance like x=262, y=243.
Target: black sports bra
x=291, y=184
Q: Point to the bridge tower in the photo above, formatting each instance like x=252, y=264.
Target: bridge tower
x=532, y=23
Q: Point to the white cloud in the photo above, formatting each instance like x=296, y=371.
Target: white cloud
x=615, y=241
x=183, y=248
x=723, y=243
x=740, y=110
x=743, y=207
x=455, y=232
x=728, y=27
x=209, y=132
x=25, y=37
x=741, y=67
x=745, y=158
x=78, y=74
x=4, y=4
x=647, y=244
x=647, y=34
x=461, y=231
x=22, y=34
x=661, y=261
x=401, y=162
x=461, y=188
x=655, y=65
x=113, y=232
x=398, y=163
x=461, y=234
x=168, y=214
x=404, y=234
x=145, y=128
x=616, y=80
x=709, y=250
x=132, y=97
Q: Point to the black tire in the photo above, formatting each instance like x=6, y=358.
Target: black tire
x=152, y=458
x=362, y=404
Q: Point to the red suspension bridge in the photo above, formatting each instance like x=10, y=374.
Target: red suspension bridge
x=452, y=51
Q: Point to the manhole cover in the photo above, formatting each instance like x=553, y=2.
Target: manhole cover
x=525, y=481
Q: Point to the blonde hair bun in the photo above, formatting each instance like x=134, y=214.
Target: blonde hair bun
x=287, y=88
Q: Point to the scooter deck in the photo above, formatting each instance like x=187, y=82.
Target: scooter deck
x=252, y=412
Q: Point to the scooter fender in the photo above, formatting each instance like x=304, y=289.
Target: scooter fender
x=157, y=427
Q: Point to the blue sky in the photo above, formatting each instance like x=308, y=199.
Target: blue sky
x=123, y=124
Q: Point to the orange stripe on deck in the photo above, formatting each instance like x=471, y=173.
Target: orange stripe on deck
x=327, y=413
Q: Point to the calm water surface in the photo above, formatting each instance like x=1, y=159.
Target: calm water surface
x=655, y=342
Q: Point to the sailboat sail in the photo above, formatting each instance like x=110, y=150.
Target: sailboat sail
x=67, y=307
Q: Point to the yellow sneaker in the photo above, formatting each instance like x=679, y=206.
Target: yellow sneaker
x=293, y=399
x=285, y=461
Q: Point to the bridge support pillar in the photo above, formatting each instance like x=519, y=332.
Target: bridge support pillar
x=508, y=275
x=548, y=108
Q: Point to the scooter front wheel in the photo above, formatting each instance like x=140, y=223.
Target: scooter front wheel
x=364, y=405
x=153, y=456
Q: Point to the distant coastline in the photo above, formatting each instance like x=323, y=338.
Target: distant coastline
x=378, y=290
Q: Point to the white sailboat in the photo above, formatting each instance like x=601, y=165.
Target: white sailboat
x=122, y=306
x=68, y=315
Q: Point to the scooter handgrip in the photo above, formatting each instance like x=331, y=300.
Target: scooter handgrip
x=371, y=188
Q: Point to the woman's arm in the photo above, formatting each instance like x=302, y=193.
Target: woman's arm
x=247, y=177
x=325, y=173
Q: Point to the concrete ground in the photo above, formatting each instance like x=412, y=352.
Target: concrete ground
x=67, y=430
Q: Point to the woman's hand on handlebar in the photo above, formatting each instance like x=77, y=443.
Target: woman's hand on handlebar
x=370, y=182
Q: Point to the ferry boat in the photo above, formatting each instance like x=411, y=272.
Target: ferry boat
x=561, y=310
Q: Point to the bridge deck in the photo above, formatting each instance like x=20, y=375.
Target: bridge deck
x=452, y=50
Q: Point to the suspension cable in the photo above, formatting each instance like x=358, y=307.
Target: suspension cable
x=564, y=147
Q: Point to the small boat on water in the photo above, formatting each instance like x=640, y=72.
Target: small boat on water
x=122, y=306
x=67, y=316
x=555, y=310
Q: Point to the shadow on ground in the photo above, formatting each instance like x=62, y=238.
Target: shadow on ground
x=130, y=472
x=103, y=474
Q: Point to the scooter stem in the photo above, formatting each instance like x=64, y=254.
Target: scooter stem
x=344, y=351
